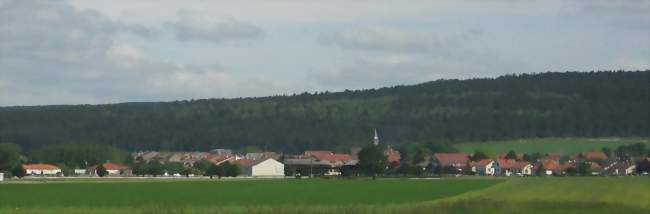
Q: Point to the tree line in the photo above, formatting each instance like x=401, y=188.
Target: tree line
x=569, y=104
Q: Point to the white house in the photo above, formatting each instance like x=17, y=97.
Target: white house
x=41, y=169
x=2, y=176
x=486, y=167
x=268, y=167
x=527, y=170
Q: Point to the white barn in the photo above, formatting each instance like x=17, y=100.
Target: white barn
x=41, y=169
x=268, y=167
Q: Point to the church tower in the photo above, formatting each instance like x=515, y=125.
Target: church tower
x=376, y=138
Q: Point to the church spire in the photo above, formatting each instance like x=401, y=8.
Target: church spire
x=376, y=138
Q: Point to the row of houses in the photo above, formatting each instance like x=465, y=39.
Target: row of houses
x=551, y=164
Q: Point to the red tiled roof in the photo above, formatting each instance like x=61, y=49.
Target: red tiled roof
x=113, y=166
x=392, y=155
x=448, y=159
x=482, y=163
x=318, y=152
x=40, y=166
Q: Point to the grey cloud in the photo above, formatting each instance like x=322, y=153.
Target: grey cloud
x=190, y=26
x=59, y=54
x=383, y=38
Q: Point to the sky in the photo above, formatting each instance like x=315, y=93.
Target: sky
x=98, y=51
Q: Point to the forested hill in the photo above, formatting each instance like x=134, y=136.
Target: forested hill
x=592, y=104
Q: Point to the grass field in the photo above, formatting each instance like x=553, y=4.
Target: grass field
x=548, y=145
x=448, y=195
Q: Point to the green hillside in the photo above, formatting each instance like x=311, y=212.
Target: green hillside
x=571, y=104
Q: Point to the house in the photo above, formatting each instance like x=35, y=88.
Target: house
x=527, y=169
x=550, y=167
x=113, y=169
x=511, y=167
x=454, y=161
x=80, y=171
x=486, y=167
x=41, y=169
x=268, y=167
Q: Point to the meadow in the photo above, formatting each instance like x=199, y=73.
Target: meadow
x=447, y=195
x=548, y=145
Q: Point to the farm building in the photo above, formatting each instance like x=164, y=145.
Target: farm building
x=321, y=163
x=112, y=169
x=452, y=161
x=41, y=169
x=268, y=167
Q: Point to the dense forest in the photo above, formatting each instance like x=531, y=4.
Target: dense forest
x=576, y=104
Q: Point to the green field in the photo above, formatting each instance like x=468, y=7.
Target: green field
x=448, y=195
x=548, y=145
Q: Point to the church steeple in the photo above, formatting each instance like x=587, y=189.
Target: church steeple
x=376, y=138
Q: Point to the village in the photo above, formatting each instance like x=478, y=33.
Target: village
x=324, y=163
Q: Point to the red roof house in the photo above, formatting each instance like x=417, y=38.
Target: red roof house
x=452, y=159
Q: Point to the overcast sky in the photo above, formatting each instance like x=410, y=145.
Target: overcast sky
x=98, y=51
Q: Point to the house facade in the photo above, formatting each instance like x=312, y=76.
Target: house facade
x=486, y=167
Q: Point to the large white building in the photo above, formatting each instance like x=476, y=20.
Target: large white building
x=268, y=167
x=41, y=169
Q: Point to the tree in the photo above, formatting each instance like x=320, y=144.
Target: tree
x=186, y=172
x=101, y=170
x=643, y=165
x=372, y=160
x=478, y=155
x=540, y=170
x=155, y=168
x=173, y=168
x=9, y=156
x=232, y=170
x=607, y=151
x=19, y=171
x=212, y=171
x=536, y=156
x=526, y=157
x=511, y=155
x=140, y=168
x=202, y=165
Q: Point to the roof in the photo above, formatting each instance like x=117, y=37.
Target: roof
x=481, y=163
x=250, y=162
x=392, y=155
x=113, y=166
x=318, y=153
x=448, y=159
x=40, y=166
